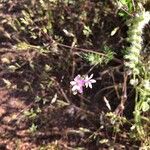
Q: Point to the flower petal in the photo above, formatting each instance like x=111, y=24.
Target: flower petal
x=77, y=78
x=86, y=84
x=90, y=85
x=81, y=90
x=91, y=76
x=74, y=88
x=73, y=83
x=86, y=78
x=93, y=81
x=74, y=92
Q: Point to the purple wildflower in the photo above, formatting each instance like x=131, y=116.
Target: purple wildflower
x=79, y=82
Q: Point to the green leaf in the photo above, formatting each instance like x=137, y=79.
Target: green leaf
x=123, y=2
x=145, y=106
x=87, y=31
x=33, y=128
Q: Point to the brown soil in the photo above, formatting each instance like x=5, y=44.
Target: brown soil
x=58, y=127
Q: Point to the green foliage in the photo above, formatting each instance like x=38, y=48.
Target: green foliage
x=35, y=28
x=140, y=72
x=127, y=7
x=33, y=128
x=52, y=146
x=96, y=58
x=87, y=31
x=32, y=114
x=116, y=121
x=142, y=104
x=128, y=4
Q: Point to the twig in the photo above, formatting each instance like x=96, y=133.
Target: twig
x=133, y=3
x=3, y=51
x=103, y=89
x=108, y=70
x=62, y=92
x=82, y=49
x=73, y=58
x=89, y=50
x=119, y=110
x=76, y=48
x=91, y=69
x=115, y=85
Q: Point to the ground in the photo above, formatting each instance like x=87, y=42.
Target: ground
x=59, y=119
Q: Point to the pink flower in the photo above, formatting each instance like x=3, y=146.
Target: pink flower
x=79, y=82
